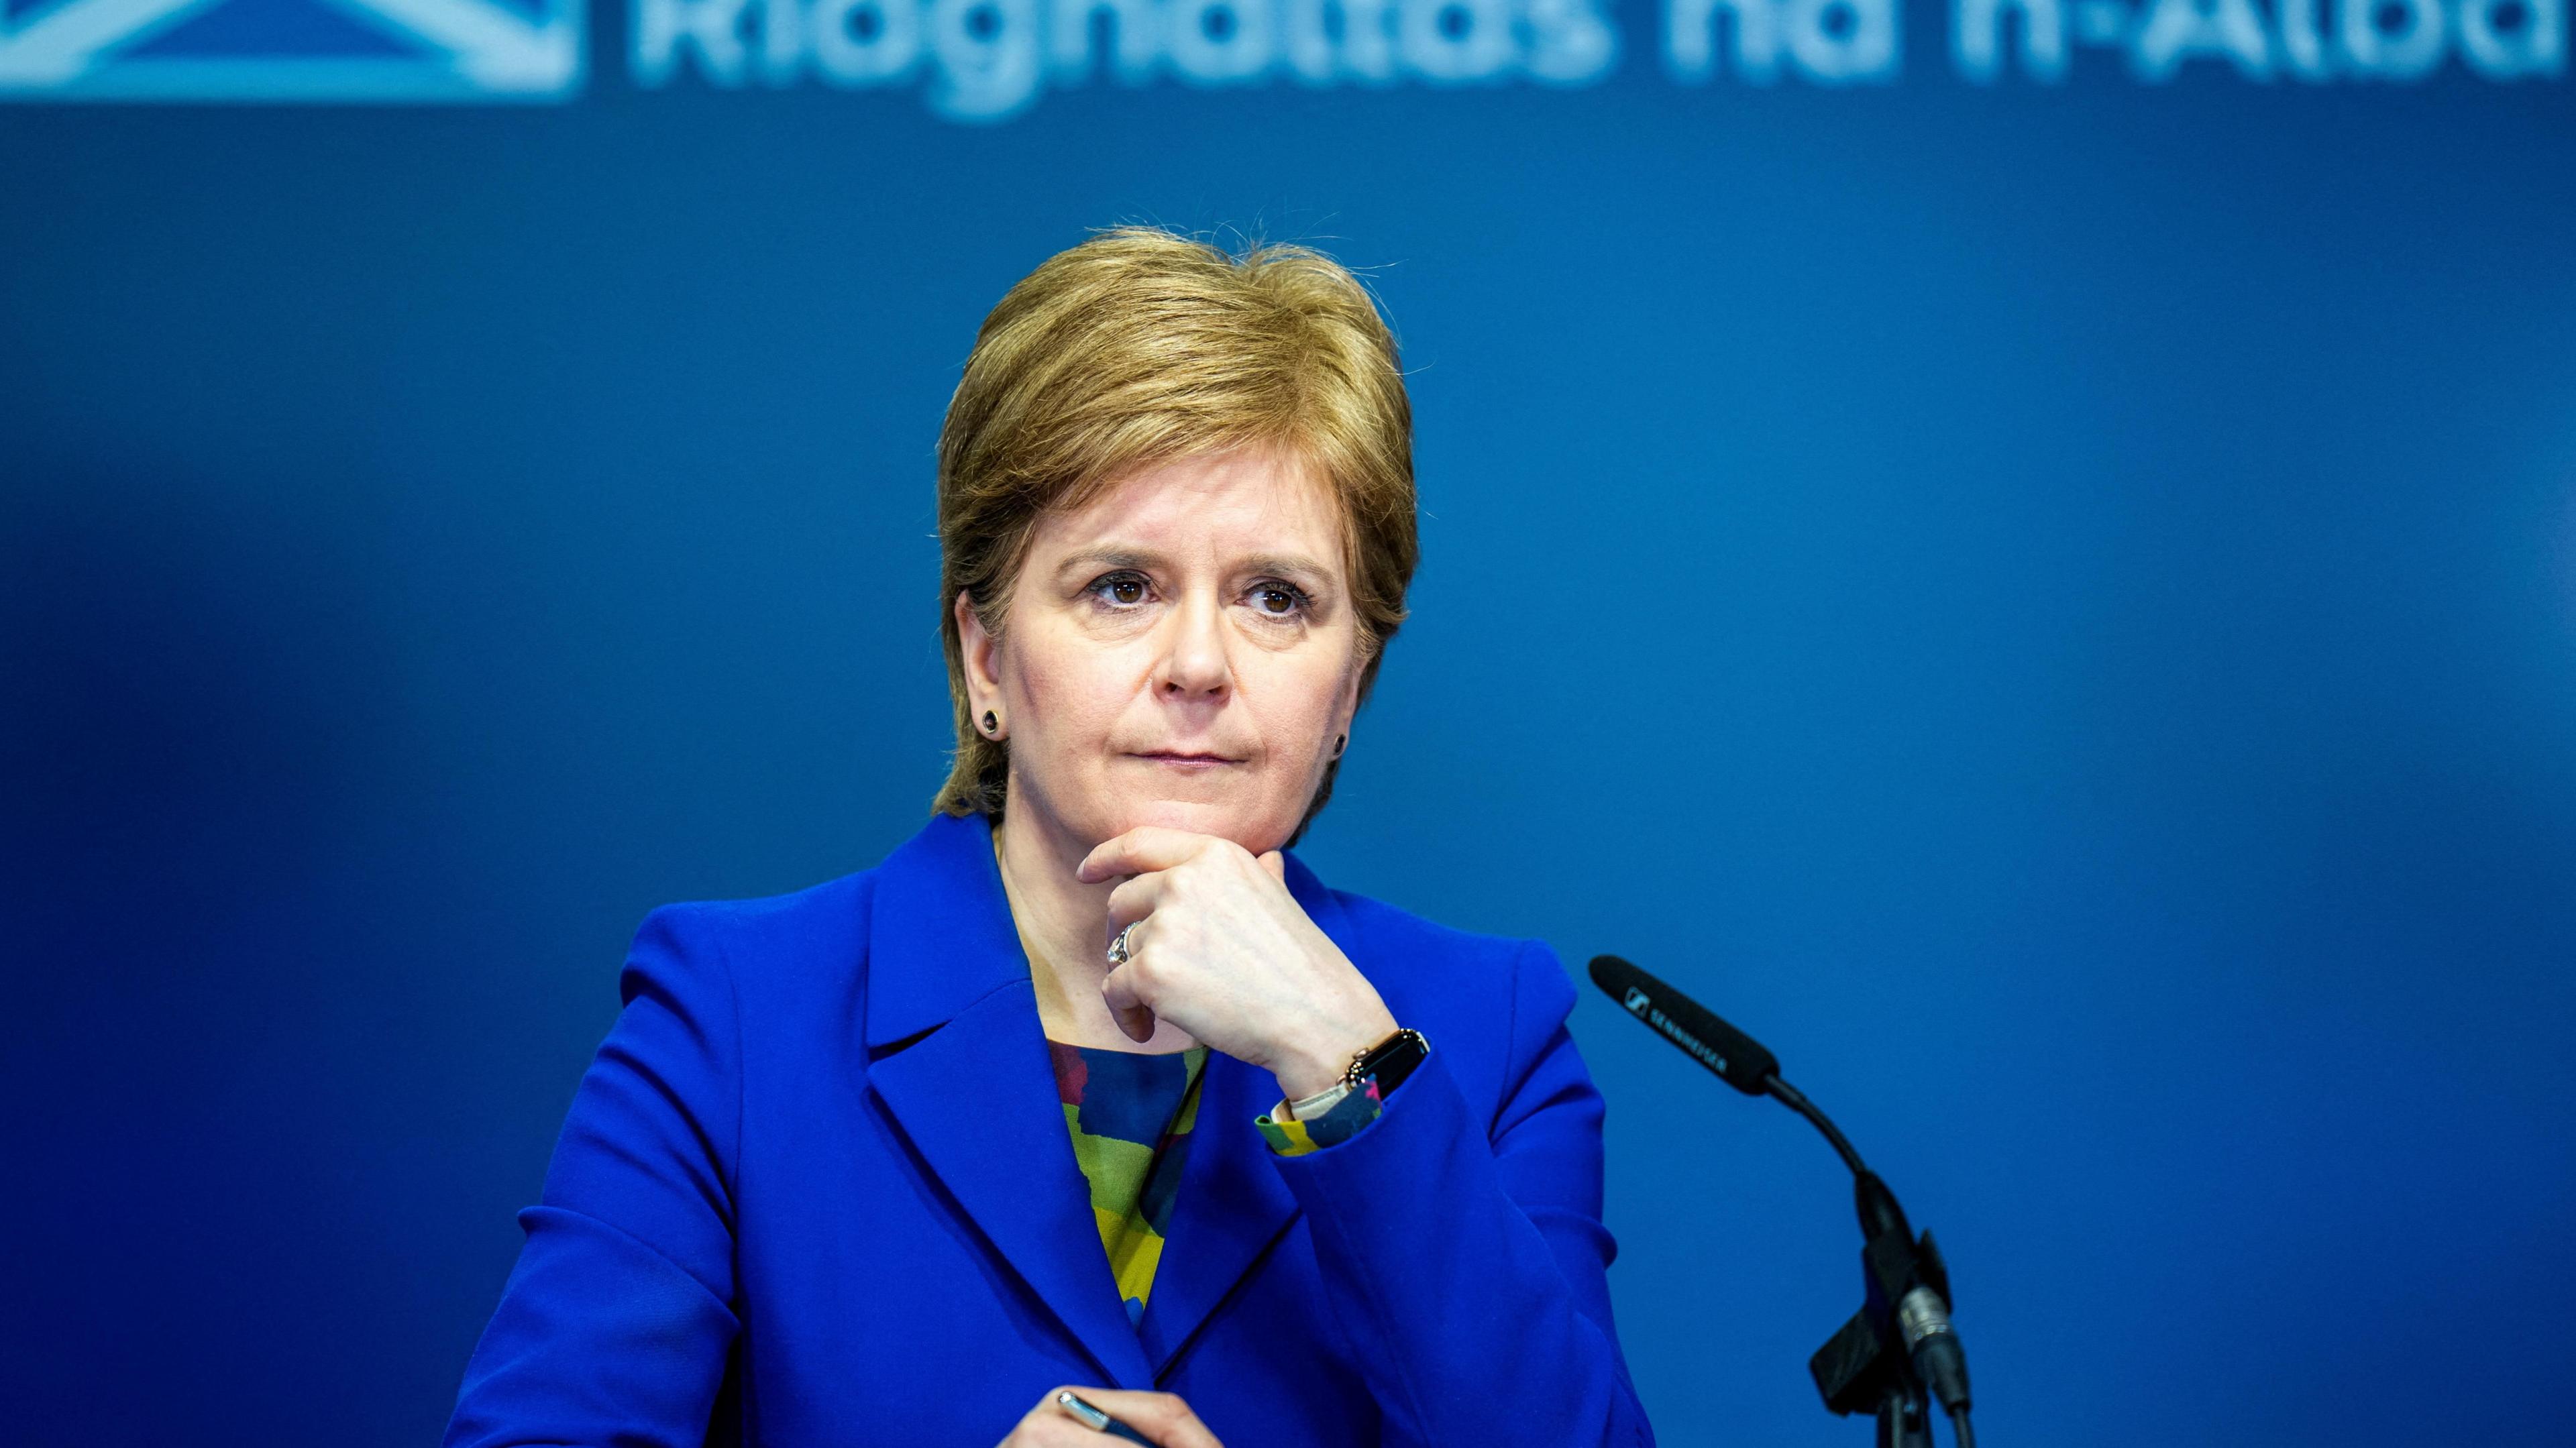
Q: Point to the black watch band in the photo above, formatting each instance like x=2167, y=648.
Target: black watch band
x=1388, y=1062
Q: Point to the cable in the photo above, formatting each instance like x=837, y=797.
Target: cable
x=1959, y=1429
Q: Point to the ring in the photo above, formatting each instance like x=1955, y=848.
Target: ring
x=1120, y=949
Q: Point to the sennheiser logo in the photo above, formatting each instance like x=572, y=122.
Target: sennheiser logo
x=1645, y=1009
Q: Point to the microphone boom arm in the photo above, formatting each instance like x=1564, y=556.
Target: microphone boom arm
x=1791, y=1097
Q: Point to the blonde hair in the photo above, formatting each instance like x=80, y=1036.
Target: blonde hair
x=1142, y=346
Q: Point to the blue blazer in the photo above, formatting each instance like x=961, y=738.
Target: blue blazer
x=816, y=1189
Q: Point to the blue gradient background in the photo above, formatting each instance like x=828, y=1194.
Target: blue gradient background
x=2054, y=608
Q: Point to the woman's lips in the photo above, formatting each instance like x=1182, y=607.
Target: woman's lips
x=1188, y=761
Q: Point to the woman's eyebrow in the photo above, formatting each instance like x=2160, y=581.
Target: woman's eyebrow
x=1292, y=565
x=1109, y=558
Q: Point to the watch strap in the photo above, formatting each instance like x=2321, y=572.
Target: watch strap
x=1307, y=1108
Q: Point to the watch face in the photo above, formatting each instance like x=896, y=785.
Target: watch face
x=1392, y=1062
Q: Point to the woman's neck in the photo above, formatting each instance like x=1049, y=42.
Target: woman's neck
x=1064, y=928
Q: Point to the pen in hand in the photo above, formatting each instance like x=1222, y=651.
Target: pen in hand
x=1096, y=1420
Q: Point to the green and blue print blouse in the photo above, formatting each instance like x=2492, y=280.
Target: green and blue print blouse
x=1130, y=1115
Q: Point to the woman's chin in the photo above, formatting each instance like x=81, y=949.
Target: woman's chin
x=1247, y=825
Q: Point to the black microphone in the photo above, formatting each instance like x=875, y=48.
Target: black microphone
x=1686, y=1023
x=1908, y=1313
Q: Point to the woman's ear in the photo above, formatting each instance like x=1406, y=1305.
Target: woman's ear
x=979, y=652
x=1347, y=707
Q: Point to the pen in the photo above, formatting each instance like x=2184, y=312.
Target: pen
x=1098, y=1421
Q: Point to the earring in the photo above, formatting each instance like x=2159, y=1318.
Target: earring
x=1340, y=743
x=991, y=723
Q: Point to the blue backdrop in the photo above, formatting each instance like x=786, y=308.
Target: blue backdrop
x=2052, y=603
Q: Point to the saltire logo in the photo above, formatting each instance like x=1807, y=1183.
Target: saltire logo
x=289, y=50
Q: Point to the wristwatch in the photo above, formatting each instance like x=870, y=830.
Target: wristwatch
x=1388, y=1063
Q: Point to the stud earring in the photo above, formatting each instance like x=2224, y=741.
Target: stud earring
x=1340, y=743
x=991, y=722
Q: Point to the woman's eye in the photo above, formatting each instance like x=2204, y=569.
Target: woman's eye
x=1277, y=600
x=1123, y=589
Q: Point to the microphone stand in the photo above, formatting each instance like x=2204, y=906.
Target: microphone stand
x=1898, y=1353
x=1869, y=1364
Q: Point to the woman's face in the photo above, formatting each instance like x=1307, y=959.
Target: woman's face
x=1180, y=652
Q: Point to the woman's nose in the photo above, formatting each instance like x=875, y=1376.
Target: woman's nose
x=1195, y=666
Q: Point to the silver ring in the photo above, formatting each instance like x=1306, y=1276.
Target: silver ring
x=1120, y=949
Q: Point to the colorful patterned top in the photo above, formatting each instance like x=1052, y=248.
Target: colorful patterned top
x=1130, y=1115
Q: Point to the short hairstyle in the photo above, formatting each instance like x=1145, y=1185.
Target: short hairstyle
x=1139, y=347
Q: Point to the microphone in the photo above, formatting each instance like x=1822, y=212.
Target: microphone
x=1901, y=1342
x=1737, y=1058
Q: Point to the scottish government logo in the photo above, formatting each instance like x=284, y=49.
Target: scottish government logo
x=272, y=50
x=991, y=60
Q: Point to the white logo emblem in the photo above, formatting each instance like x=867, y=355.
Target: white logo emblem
x=292, y=50
x=1636, y=1000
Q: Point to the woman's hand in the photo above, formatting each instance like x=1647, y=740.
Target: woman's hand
x=1225, y=953
x=1160, y=1417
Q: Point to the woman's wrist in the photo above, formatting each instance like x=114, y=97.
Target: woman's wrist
x=1322, y=1059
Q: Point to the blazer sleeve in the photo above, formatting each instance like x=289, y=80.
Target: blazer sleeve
x=615, y=1324
x=1467, y=1260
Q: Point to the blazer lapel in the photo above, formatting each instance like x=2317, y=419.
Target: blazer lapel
x=966, y=1077
x=1232, y=1206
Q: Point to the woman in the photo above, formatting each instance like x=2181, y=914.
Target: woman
x=826, y=1181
